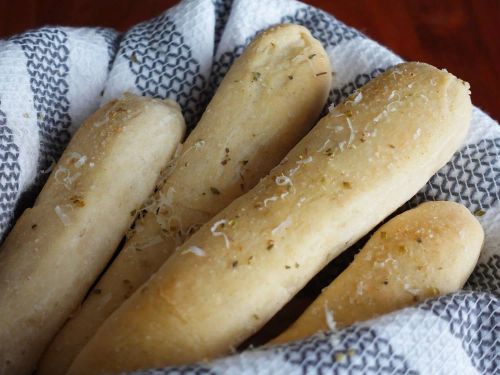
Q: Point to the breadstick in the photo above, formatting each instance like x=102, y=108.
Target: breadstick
x=359, y=163
x=58, y=248
x=267, y=102
x=422, y=253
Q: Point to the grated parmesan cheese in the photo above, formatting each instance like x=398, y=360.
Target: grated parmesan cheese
x=417, y=133
x=394, y=72
x=198, y=251
x=391, y=107
x=215, y=233
x=199, y=144
x=68, y=179
x=330, y=321
x=62, y=215
x=283, y=180
x=352, y=131
x=61, y=170
x=342, y=145
x=77, y=159
x=360, y=288
x=282, y=226
x=393, y=94
x=305, y=161
x=271, y=199
x=322, y=148
x=100, y=122
x=358, y=98
x=409, y=289
x=292, y=171
x=380, y=115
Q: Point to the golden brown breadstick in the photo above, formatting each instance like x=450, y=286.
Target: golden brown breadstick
x=360, y=162
x=58, y=248
x=268, y=100
x=428, y=251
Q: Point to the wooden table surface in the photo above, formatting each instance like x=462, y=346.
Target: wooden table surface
x=460, y=35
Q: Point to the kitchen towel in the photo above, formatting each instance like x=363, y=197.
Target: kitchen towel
x=53, y=77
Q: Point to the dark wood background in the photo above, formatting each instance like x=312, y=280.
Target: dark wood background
x=460, y=35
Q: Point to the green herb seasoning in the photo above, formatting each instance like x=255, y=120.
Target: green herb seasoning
x=255, y=76
x=479, y=213
x=133, y=58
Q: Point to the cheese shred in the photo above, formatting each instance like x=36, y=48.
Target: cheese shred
x=216, y=233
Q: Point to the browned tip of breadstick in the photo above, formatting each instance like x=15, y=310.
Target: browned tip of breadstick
x=422, y=253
